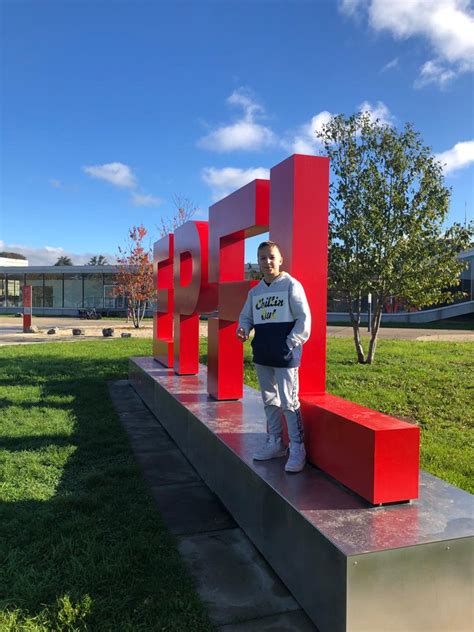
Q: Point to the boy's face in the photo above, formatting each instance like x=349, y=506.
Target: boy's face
x=269, y=261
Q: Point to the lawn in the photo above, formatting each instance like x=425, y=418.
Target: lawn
x=81, y=544
x=428, y=383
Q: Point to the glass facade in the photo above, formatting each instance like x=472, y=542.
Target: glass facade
x=14, y=287
x=94, y=291
x=66, y=290
x=53, y=290
x=73, y=290
x=37, y=283
x=110, y=296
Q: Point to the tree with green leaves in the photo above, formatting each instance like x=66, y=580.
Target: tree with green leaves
x=98, y=260
x=12, y=255
x=64, y=261
x=388, y=207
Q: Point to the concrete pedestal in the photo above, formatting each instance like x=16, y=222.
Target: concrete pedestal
x=351, y=566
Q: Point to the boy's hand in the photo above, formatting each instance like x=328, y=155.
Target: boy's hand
x=241, y=335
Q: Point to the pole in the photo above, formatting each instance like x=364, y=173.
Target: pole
x=27, y=307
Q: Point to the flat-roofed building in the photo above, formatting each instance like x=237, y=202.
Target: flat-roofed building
x=61, y=289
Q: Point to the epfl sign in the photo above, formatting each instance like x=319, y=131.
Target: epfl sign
x=200, y=269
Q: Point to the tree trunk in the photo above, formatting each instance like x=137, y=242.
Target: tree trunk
x=355, y=322
x=375, y=330
x=136, y=315
x=141, y=312
x=133, y=310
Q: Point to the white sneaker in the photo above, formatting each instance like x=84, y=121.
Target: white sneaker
x=272, y=449
x=297, y=459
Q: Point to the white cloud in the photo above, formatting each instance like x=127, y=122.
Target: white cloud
x=48, y=255
x=434, y=72
x=56, y=184
x=245, y=133
x=447, y=26
x=225, y=181
x=378, y=111
x=116, y=173
x=305, y=140
x=122, y=176
x=391, y=65
x=143, y=199
x=351, y=8
x=458, y=157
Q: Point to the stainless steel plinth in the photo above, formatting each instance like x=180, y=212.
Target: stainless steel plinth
x=351, y=566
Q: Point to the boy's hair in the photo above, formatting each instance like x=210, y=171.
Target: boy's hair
x=268, y=244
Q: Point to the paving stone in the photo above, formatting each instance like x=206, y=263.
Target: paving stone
x=139, y=417
x=232, y=578
x=188, y=509
x=149, y=439
x=288, y=622
x=166, y=468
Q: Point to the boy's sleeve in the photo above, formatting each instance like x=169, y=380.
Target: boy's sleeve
x=302, y=315
x=246, y=315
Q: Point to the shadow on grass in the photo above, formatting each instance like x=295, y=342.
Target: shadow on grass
x=81, y=544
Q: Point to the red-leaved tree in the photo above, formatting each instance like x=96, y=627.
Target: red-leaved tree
x=135, y=275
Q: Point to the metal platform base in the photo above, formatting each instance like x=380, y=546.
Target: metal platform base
x=351, y=566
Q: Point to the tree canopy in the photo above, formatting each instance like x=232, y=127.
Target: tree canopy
x=98, y=260
x=12, y=255
x=388, y=211
x=135, y=275
x=64, y=261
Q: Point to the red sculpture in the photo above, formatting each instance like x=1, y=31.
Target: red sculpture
x=373, y=454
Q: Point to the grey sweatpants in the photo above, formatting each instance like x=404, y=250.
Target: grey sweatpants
x=279, y=388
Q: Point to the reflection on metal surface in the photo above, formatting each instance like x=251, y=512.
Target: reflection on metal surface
x=421, y=588
x=324, y=525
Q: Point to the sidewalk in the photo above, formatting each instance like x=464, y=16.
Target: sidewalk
x=241, y=591
x=402, y=333
x=11, y=331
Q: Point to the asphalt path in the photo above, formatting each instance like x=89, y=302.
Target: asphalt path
x=11, y=331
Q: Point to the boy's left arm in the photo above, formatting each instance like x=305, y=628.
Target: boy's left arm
x=302, y=315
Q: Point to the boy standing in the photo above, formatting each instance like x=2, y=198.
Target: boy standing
x=278, y=311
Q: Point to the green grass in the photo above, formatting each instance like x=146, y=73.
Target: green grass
x=82, y=546
x=428, y=383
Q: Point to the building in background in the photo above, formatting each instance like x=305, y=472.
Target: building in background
x=61, y=290
x=10, y=261
x=64, y=290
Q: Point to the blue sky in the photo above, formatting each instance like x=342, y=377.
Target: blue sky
x=111, y=108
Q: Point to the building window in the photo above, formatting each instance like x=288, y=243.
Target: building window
x=14, y=288
x=36, y=281
x=3, y=290
x=53, y=290
x=73, y=290
x=93, y=290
